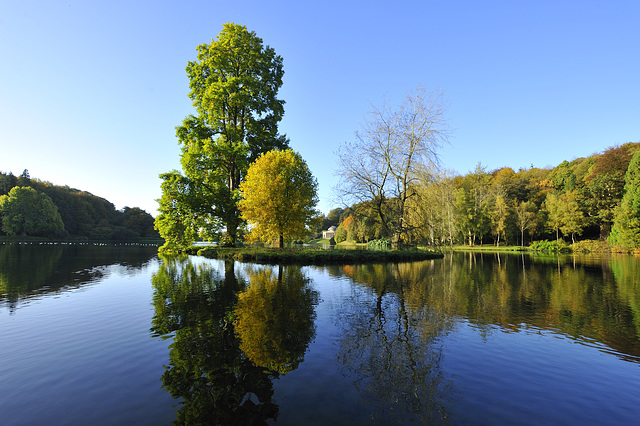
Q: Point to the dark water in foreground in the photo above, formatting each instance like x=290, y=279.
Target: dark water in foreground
x=114, y=335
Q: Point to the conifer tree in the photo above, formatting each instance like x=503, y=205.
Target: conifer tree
x=626, y=226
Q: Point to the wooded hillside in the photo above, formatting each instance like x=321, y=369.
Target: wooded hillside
x=84, y=215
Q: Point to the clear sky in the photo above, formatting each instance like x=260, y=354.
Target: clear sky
x=91, y=91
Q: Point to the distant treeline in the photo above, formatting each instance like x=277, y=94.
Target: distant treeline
x=595, y=197
x=84, y=215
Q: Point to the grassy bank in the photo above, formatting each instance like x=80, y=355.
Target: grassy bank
x=546, y=246
x=311, y=256
x=489, y=247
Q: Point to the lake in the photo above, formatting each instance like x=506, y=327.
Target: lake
x=116, y=335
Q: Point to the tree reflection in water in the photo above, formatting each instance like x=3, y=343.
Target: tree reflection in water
x=231, y=337
x=390, y=345
x=275, y=318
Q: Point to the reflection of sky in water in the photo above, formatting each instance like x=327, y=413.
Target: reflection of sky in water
x=84, y=356
x=538, y=377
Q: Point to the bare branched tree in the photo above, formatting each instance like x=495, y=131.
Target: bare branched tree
x=380, y=167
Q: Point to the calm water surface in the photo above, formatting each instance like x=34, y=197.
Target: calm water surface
x=115, y=335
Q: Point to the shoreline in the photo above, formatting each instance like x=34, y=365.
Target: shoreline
x=312, y=256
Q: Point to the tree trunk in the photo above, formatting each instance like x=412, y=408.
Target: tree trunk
x=605, y=230
x=395, y=241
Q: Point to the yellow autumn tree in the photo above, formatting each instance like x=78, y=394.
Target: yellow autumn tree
x=278, y=197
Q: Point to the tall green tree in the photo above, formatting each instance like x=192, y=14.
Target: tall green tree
x=24, y=211
x=605, y=185
x=433, y=206
x=233, y=85
x=564, y=214
x=341, y=234
x=279, y=197
x=626, y=226
x=464, y=214
x=473, y=203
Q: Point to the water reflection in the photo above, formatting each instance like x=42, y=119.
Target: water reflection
x=233, y=334
x=235, y=329
x=590, y=299
x=393, y=324
x=390, y=344
x=275, y=318
x=31, y=270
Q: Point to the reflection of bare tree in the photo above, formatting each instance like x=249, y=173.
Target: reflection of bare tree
x=390, y=345
x=275, y=318
x=392, y=323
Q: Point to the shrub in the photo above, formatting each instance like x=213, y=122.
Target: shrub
x=550, y=246
x=593, y=246
x=379, y=244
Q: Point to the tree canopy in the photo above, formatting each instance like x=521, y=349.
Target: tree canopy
x=626, y=227
x=279, y=197
x=26, y=212
x=233, y=85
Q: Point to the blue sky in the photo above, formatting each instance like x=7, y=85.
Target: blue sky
x=91, y=92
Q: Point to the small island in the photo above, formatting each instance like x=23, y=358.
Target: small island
x=308, y=256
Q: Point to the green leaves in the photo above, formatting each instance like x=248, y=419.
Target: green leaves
x=24, y=211
x=233, y=85
x=626, y=227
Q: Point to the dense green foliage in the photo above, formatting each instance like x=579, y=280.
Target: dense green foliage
x=626, y=228
x=25, y=212
x=84, y=215
x=234, y=85
x=582, y=198
x=550, y=246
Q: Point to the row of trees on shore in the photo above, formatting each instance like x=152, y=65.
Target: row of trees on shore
x=31, y=207
x=595, y=197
